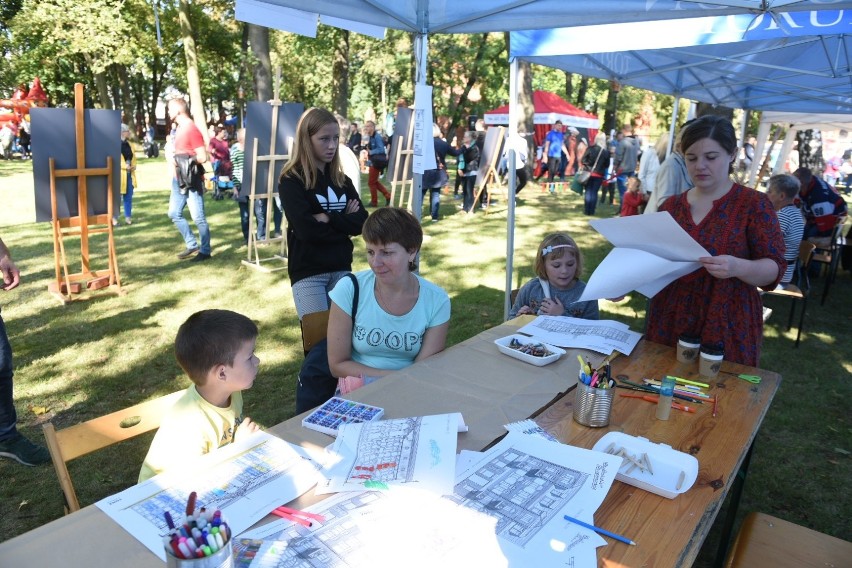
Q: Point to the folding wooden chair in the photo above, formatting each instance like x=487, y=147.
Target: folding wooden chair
x=828, y=253
x=764, y=540
x=798, y=292
x=98, y=433
x=314, y=329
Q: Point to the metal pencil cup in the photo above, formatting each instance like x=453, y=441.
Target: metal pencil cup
x=222, y=558
x=592, y=405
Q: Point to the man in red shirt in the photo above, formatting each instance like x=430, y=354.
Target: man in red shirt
x=188, y=144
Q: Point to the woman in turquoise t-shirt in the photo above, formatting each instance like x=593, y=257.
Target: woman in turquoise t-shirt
x=401, y=317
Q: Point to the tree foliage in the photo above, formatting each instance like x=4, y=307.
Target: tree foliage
x=68, y=41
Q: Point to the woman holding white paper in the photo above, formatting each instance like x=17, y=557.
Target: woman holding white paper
x=719, y=303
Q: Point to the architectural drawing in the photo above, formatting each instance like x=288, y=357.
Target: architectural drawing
x=245, y=480
x=387, y=451
x=573, y=329
x=334, y=544
x=223, y=485
x=523, y=492
x=391, y=454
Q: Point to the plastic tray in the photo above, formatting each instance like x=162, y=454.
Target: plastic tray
x=503, y=345
x=674, y=471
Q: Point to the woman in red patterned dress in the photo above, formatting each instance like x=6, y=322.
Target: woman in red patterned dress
x=719, y=302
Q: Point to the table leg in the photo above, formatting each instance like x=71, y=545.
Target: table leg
x=733, y=506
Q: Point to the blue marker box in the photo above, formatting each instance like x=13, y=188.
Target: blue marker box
x=336, y=411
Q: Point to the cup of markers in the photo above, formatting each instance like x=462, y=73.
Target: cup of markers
x=203, y=540
x=595, y=390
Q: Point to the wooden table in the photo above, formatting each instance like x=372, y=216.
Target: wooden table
x=490, y=390
x=670, y=532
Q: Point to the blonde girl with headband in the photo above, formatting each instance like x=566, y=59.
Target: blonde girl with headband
x=556, y=291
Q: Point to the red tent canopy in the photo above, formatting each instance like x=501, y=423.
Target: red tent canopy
x=549, y=107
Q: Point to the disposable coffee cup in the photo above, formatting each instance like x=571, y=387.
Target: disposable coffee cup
x=687, y=349
x=710, y=361
x=222, y=558
x=592, y=406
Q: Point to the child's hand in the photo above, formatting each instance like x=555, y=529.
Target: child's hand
x=525, y=311
x=247, y=427
x=552, y=307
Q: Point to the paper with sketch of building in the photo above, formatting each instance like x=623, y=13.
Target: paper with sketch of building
x=418, y=451
x=380, y=528
x=603, y=336
x=527, y=484
x=245, y=480
x=651, y=251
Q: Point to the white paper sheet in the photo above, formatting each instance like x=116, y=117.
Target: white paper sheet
x=506, y=510
x=244, y=480
x=394, y=453
x=423, y=146
x=651, y=252
x=603, y=336
x=527, y=484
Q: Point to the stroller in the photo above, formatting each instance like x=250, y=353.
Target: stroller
x=150, y=146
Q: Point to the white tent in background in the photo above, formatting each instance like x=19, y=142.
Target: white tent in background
x=425, y=17
x=794, y=122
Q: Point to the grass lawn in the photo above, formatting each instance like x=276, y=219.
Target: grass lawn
x=110, y=351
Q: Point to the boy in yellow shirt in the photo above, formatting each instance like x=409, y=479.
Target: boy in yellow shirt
x=215, y=348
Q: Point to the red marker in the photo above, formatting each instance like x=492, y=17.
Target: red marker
x=190, y=504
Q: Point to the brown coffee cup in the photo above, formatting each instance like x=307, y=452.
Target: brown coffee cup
x=710, y=361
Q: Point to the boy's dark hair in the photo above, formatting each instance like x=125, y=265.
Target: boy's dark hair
x=209, y=338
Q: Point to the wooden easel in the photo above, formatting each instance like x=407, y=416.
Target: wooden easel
x=491, y=173
x=402, y=164
x=253, y=258
x=82, y=224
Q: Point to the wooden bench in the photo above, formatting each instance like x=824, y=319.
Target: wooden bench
x=98, y=433
x=765, y=540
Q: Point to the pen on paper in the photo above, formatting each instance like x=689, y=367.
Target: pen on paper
x=600, y=530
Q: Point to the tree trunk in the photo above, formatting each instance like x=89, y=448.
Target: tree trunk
x=100, y=84
x=158, y=71
x=456, y=107
x=810, y=150
x=340, y=74
x=258, y=37
x=127, y=99
x=192, y=78
x=569, y=88
x=581, y=92
x=527, y=114
x=705, y=108
x=609, y=125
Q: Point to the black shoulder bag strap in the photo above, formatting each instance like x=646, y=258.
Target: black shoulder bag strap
x=354, y=297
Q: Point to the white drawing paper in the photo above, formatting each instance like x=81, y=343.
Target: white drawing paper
x=423, y=146
x=603, y=336
x=651, y=251
x=244, y=480
x=368, y=529
x=527, y=484
x=506, y=510
x=418, y=451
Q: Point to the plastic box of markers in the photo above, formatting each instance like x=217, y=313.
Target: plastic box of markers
x=337, y=411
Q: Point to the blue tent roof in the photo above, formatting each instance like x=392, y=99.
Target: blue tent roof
x=791, y=67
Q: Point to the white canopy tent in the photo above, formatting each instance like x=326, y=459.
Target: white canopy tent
x=424, y=17
x=794, y=122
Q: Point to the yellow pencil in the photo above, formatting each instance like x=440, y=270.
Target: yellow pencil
x=688, y=382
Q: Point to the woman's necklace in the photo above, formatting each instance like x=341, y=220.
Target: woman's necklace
x=401, y=304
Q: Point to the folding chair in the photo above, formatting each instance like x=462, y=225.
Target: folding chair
x=828, y=253
x=765, y=540
x=314, y=329
x=98, y=433
x=798, y=292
